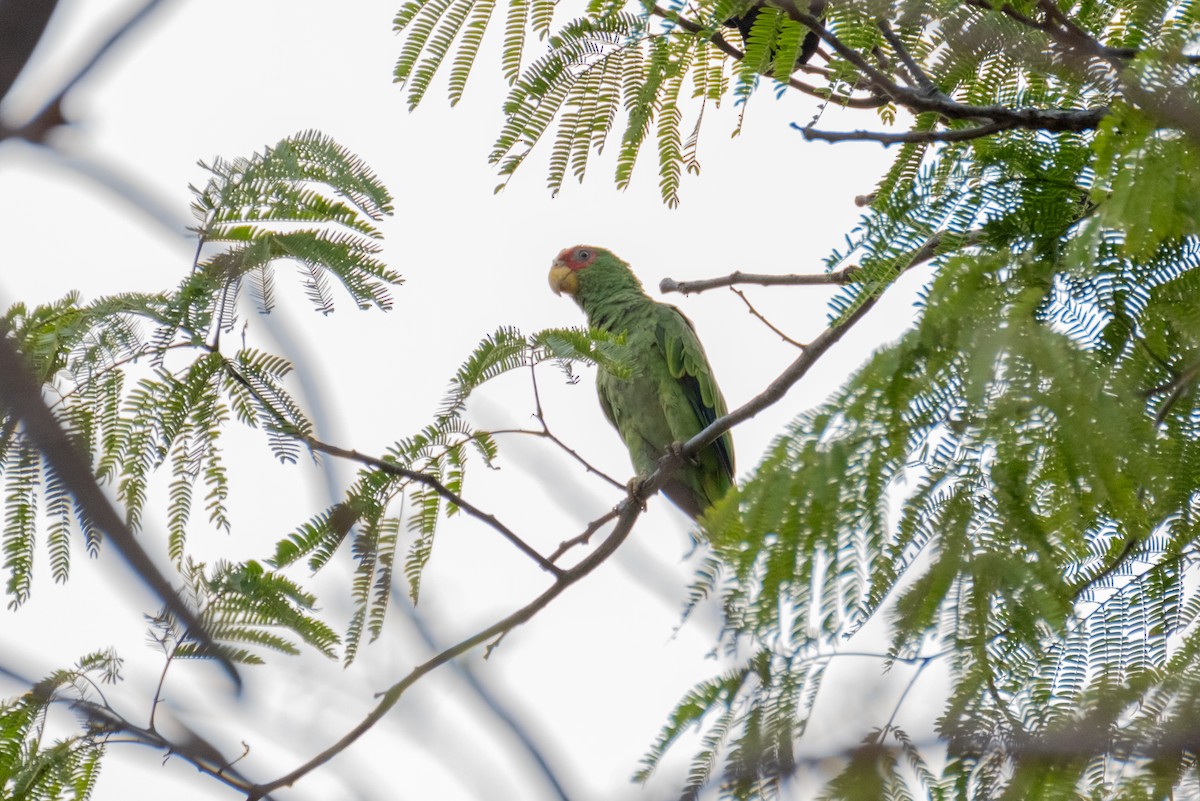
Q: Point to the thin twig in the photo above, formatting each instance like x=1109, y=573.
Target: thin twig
x=540, y=414
x=195, y=750
x=147, y=352
x=437, y=486
x=764, y=320
x=162, y=678
x=584, y=538
x=843, y=276
x=546, y=434
x=798, y=368
x=837, y=277
x=1173, y=389
x=921, y=665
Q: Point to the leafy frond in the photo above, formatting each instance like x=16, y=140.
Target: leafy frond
x=32, y=765
x=264, y=209
x=245, y=605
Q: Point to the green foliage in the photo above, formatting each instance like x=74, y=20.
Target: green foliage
x=35, y=768
x=243, y=605
x=146, y=383
x=142, y=381
x=258, y=207
x=1014, y=481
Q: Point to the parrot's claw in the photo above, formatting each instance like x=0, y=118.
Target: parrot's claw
x=635, y=490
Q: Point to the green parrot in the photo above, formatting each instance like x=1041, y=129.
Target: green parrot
x=671, y=395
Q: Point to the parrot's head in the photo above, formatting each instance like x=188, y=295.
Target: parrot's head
x=564, y=272
x=584, y=270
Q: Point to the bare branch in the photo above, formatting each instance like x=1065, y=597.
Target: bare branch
x=764, y=320
x=540, y=415
x=921, y=665
x=958, y=135
x=194, y=749
x=837, y=277
x=441, y=489
x=584, y=538
x=547, y=434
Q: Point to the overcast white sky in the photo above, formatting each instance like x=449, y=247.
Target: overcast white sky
x=594, y=676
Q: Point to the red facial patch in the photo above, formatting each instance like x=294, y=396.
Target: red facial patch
x=577, y=257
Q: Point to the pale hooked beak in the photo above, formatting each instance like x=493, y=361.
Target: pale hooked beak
x=563, y=279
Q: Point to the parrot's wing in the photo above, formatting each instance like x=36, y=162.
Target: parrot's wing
x=689, y=366
x=606, y=404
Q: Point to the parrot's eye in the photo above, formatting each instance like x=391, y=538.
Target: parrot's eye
x=583, y=255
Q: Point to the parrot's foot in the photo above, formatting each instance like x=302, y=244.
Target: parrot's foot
x=675, y=450
x=635, y=490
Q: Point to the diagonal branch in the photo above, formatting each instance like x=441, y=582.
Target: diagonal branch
x=918, y=75
x=441, y=489
x=798, y=368
x=191, y=748
x=764, y=320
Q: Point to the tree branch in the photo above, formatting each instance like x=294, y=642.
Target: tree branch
x=957, y=135
x=797, y=369
x=430, y=481
x=583, y=538
x=196, y=751
x=918, y=75
x=838, y=277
